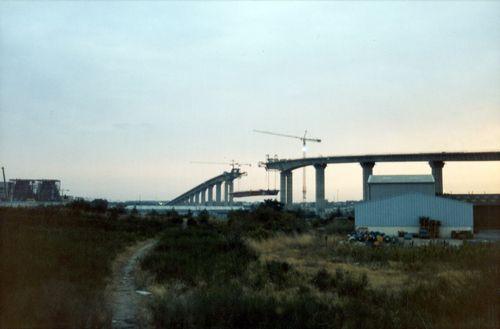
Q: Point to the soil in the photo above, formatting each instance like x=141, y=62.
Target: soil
x=126, y=302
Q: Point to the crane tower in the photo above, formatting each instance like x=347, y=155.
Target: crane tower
x=304, y=140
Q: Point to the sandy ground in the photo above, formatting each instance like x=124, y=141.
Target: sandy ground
x=126, y=302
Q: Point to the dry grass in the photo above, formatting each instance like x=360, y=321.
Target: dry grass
x=325, y=282
x=310, y=252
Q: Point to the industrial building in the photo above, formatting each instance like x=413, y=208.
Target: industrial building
x=402, y=213
x=486, y=209
x=397, y=202
x=5, y=190
x=385, y=186
x=43, y=190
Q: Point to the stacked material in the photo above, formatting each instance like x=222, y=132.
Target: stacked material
x=429, y=228
x=461, y=235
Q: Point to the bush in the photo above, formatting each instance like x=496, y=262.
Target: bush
x=116, y=211
x=344, y=283
x=341, y=225
x=99, y=205
x=268, y=218
x=192, y=222
x=203, y=217
x=277, y=272
x=80, y=205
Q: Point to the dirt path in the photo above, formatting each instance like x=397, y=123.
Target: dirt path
x=125, y=301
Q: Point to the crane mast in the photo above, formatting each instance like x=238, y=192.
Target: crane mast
x=304, y=140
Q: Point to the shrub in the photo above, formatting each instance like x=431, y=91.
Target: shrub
x=277, y=272
x=99, y=205
x=203, y=217
x=340, y=225
x=322, y=280
x=344, y=283
x=192, y=222
x=80, y=205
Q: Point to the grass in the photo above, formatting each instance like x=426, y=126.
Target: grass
x=54, y=265
x=310, y=251
x=273, y=276
x=198, y=255
x=266, y=268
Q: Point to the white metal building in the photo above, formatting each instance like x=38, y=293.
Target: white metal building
x=385, y=186
x=402, y=213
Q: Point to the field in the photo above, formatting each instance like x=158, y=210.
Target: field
x=260, y=274
x=266, y=268
x=55, y=263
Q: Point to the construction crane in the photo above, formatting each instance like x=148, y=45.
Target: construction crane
x=304, y=141
x=5, y=189
x=233, y=163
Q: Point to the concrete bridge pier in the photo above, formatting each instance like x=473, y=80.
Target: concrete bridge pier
x=283, y=187
x=320, y=187
x=231, y=190
x=226, y=192
x=191, y=199
x=203, y=196
x=197, y=198
x=289, y=188
x=218, y=193
x=367, y=171
x=210, y=195
x=437, y=172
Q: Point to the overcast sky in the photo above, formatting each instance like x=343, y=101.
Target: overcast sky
x=116, y=98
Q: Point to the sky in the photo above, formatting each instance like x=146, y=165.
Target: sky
x=117, y=99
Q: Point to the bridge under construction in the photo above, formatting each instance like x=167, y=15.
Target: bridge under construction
x=436, y=162
x=203, y=194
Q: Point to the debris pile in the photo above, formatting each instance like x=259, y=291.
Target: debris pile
x=374, y=238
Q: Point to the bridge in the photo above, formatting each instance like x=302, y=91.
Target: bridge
x=436, y=162
x=203, y=194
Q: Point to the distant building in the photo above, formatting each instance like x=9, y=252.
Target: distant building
x=3, y=194
x=385, y=186
x=44, y=190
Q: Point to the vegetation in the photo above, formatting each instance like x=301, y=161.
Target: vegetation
x=269, y=268
x=265, y=220
x=265, y=268
x=54, y=263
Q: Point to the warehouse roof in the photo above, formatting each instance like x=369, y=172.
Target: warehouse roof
x=397, y=179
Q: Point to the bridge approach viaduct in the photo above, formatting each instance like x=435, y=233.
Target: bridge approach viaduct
x=202, y=194
x=436, y=162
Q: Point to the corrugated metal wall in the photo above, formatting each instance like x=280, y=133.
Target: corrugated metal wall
x=405, y=210
x=380, y=191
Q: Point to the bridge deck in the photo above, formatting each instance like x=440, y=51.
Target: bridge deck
x=290, y=164
x=243, y=194
x=212, y=181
